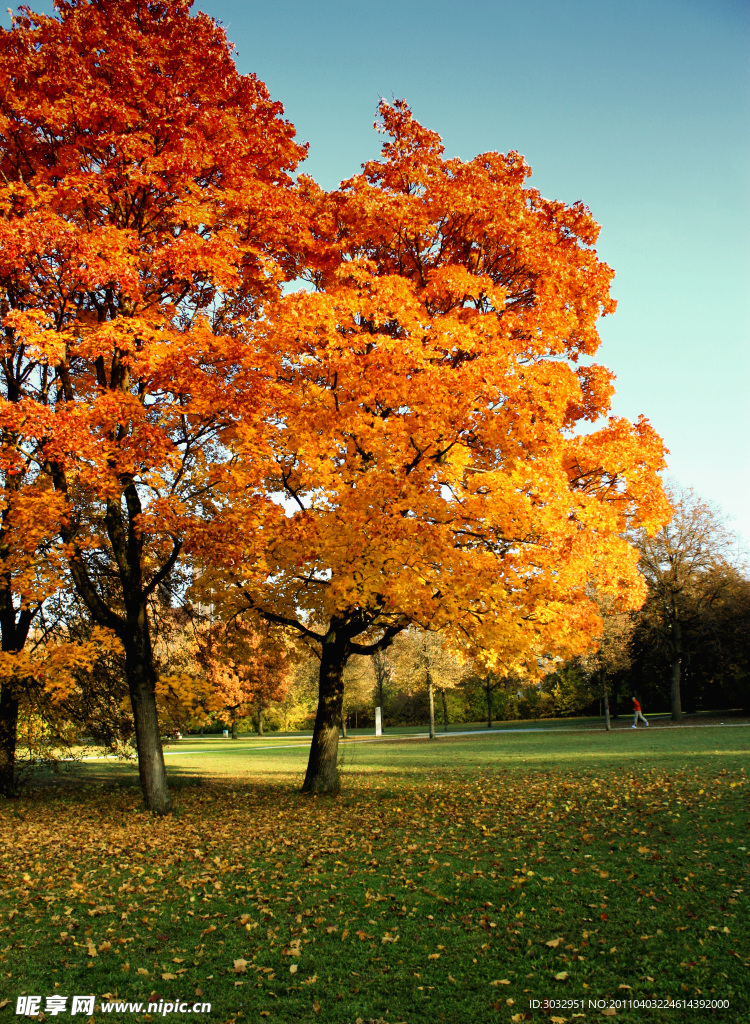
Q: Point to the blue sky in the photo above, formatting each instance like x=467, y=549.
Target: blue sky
x=640, y=109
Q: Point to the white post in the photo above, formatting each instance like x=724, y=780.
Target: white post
x=378, y=721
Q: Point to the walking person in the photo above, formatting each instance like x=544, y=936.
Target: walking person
x=637, y=713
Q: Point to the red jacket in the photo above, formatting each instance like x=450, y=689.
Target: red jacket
x=636, y=705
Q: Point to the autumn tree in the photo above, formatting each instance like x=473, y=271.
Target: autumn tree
x=688, y=566
x=247, y=667
x=30, y=561
x=423, y=661
x=428, y=451
x=145, y=216
x=383, y=671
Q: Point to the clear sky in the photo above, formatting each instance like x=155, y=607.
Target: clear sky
x=639, y=108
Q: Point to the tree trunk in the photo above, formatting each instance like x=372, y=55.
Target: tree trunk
x=488, y=691
x=445, y=711
x=344, y=734
x=605, y=694
x=234, y=727
x=260, y=721
x=431, y=699
x=8, y=734
x=141, y=678
x=322, y=774
x=674, y=690
x=380, y=697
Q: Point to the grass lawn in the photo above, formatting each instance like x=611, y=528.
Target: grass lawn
x=460, y=881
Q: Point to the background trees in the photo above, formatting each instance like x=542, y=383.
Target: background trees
x=246, y=668
x=696, y=610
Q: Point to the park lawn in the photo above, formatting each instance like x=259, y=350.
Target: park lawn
x=452, y=881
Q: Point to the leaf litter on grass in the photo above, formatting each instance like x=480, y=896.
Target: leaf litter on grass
x=438, y=892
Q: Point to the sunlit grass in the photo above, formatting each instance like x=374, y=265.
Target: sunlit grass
x=563, y=865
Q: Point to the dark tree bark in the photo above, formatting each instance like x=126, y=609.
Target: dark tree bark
x=132, y=628
x=344, y=734
x=8, y=734
x=260, y=721
x=234, y=727
x=431, y=699
x=14, y=630
x=322, y=774
x=141, y=678
x=337, y=646
x=445, y=711
x=605, y=694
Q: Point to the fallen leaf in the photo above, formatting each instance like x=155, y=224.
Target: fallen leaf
x=558, y=1020
x=500, y=981
x=168, y=977
x=609, y=1012
x=105, y=947
x=553, y=943
x=561, y=975
x=434, y=956
x=142, y=970
x=293, y=968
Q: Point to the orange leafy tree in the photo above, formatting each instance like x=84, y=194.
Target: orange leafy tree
x=427, y=450
x=31, y=564
x=247, y=669
x=145, y=215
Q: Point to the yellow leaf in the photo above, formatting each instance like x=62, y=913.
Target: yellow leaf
x=561, y=976
x=168, y=977
x=434, y=956
x=500, y=981
x=142, y=970
x=609, y=1012
x=105, y=947
x=293, y=968
x=643, y=849
x=240, y=966
x=554, y=943
x=558, y=1020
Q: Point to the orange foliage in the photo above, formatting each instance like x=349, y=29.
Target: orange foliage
x=145, y=216
x=428, y=450
x=246, y=669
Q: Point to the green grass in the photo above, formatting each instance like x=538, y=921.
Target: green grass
x=556, y=865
